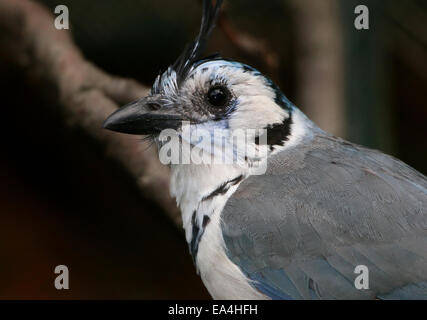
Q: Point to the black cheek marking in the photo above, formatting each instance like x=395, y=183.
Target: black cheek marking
x=204, y=70
x=278, y=134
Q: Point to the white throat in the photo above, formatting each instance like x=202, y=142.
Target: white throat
x=191, y=183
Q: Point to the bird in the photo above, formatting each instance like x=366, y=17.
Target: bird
x=323, y=208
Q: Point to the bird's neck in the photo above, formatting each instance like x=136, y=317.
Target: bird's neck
x=195, y=187
x=202, y=189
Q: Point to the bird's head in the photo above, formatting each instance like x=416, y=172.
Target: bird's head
x=212, y=93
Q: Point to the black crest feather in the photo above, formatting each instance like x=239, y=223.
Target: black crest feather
x=194, y=50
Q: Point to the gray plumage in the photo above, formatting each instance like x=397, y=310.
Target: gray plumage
x=322, y=209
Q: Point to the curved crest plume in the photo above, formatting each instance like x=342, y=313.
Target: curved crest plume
x=194, y=50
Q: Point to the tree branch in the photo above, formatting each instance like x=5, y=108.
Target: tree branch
x=49, y=60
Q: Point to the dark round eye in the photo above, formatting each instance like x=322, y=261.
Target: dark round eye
x=218, y=96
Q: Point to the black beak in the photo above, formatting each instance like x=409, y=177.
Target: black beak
x=144, y=116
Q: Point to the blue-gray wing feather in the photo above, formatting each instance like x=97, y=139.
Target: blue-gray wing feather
x=323, y=208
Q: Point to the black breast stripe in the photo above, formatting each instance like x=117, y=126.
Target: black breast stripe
x=198, y=230
x=197, y=234
x=223, y=188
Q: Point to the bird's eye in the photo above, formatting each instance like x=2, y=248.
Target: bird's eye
x=218, y=96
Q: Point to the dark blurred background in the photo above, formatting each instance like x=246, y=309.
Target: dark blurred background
x=62, y=201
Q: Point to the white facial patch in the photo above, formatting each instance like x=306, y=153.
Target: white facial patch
x=254, y=105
